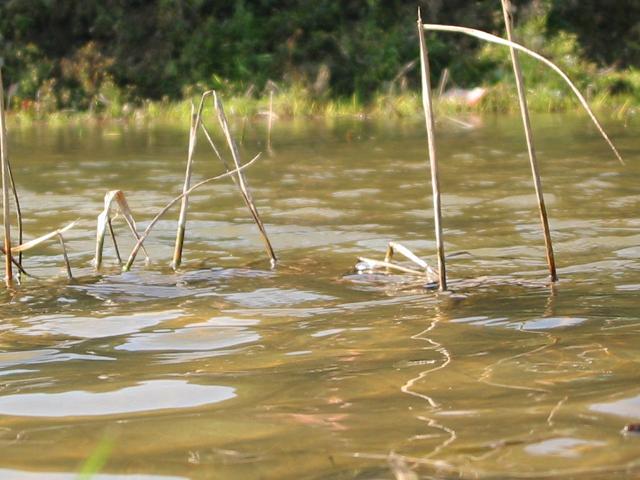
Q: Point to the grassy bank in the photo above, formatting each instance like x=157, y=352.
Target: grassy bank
x=296, y=103
x=91, y=93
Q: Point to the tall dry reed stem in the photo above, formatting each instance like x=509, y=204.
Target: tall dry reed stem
x=241, y=179
x=433, y=162
x=196, y=119
x=526, y=122
x=270, y=121
x=6, y=209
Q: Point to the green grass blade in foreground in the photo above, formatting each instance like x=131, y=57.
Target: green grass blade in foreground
x=145, y=234
x=487, y=37
x=97, y=460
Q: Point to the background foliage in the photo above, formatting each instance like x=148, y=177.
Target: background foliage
x=101, y=54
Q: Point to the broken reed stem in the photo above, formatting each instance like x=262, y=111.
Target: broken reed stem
x=389, y=265
x=6, y=210
x=242, y=181
x=394, y=247
x=66, y=257
x=37, y=241
x=196, y=118
x=105, y=222
x=526, y=122
x=435, y=184
x=145, y=234
x=487, y=37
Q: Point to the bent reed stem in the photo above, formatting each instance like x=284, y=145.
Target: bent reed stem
x=196, y=118
x=145, y=234
x=487, y=37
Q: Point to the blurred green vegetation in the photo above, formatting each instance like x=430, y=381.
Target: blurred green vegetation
x=116, y=58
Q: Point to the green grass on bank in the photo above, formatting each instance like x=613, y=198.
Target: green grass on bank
x=40, y=97
x=297, y=103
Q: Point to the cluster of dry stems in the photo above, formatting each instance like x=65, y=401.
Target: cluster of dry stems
x=116, y=204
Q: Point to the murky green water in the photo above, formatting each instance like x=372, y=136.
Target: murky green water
x=228, y=369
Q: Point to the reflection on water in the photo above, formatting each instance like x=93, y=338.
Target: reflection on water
x=148, y=396
x=229, y=369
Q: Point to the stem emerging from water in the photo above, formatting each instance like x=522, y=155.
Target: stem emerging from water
x=433, y=162
x=526, y=122
x=6, y=210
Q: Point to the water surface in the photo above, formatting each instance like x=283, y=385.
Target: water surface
x=229, y=369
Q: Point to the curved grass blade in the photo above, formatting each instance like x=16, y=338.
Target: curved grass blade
x=487, y=37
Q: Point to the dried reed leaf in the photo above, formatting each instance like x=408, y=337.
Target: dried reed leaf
x=40, y=240
x=115, y=204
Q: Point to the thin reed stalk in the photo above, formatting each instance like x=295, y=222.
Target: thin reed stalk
x=115, y=242
x=270, y=121
x=65, y=256
x=166, y=208
x=6, y=209
x=433, y=162
x=18, y=213
x=528, y=133
x=16, y=264
x=242, y=181
x=487, y=37
x=196, y=118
